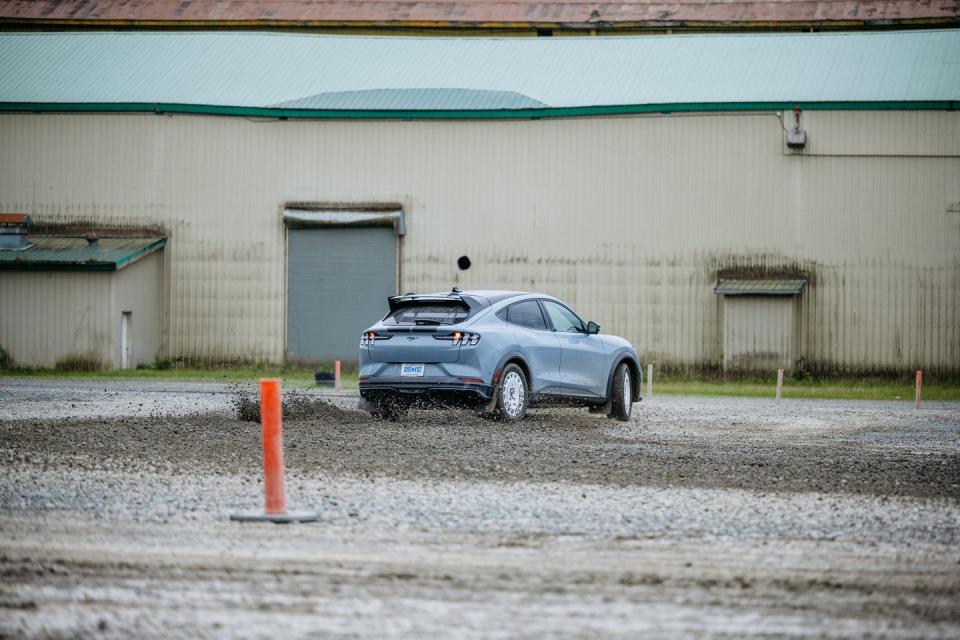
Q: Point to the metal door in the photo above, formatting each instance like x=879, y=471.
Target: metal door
x=538, y=344
x=338, y=280
x=583, y=360
x=126, y=340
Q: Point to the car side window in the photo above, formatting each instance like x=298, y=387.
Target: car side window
x=526, y=314
x=562, y=318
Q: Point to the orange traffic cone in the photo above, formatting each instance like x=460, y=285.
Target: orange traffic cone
x=275, y=501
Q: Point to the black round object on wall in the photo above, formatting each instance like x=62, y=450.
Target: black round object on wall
x=463, y=262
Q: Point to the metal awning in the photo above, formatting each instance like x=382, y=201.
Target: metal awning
x=306, y=218
x=70, y=253
x=738, y=287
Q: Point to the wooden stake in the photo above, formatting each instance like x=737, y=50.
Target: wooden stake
x=779, y=383
x=919, y=388
x=649, y=380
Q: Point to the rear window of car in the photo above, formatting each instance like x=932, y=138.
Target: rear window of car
x=526, y=314
x=428, y=313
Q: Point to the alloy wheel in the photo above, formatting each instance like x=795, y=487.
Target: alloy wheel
x=513, y=394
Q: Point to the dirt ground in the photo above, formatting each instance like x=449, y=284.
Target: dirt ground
x=701, y=517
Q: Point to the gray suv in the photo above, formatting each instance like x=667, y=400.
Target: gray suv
x=498, y=352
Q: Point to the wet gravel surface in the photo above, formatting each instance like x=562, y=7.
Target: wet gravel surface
x=702, y=517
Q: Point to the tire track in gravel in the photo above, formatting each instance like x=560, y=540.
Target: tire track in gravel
x=653, y=450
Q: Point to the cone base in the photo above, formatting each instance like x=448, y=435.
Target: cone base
x=278, y=518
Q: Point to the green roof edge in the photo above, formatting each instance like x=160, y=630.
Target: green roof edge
x=57, y=266
x=88, y=265
x=467, y=114
x=130, y=258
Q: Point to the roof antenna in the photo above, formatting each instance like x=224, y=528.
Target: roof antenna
x=456, y=290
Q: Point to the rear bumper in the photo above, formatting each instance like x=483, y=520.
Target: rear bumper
x=443, y=391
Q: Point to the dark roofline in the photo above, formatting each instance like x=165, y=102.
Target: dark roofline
x=481, y=29
x=463, y=114
x=464, y=17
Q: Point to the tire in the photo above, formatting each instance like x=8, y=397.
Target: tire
x=621, y=393
x=512, y=394
x=392, y=409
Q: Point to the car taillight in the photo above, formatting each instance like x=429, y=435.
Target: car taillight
x=459, y=338
x=370, y=337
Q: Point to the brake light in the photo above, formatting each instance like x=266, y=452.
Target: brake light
x=460, y=338
x=370, y=337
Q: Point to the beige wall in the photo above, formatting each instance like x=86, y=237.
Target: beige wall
x=629, y=219
x=49, y=317
x=138, y=289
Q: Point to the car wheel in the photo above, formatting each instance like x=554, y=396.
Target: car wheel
x=392, y=409
x=621, y=396
x=512, y=394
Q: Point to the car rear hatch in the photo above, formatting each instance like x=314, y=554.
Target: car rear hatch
x=420, y=329
x=414, y=346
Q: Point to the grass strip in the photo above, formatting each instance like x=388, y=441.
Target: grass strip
x=832, y=389
x=298, y=377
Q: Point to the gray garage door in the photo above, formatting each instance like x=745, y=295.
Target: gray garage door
x=338, y=280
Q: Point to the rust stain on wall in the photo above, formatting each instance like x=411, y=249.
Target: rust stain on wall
x=80, y=227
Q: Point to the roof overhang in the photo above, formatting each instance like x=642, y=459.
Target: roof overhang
x=762, y=287
x=75, y=254
x=385, y=216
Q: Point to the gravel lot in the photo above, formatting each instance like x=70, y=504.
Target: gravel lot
x=699, y=518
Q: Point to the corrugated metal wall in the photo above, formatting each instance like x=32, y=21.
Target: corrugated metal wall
x=138, y=288
x=629, y=219
x=758, y=333
x=48, y=318
x=72, y=317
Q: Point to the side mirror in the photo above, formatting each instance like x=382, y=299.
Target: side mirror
x=593, y=327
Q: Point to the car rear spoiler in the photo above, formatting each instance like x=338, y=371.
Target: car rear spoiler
x=474, y=303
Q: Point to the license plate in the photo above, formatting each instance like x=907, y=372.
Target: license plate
x=411, y=370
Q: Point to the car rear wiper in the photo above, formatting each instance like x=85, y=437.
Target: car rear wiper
x=421, y=322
